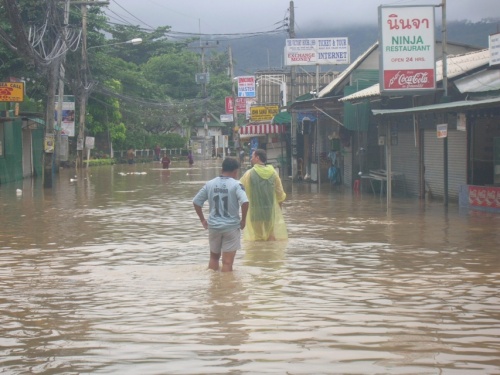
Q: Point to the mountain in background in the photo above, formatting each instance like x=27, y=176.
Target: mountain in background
x=266, y=52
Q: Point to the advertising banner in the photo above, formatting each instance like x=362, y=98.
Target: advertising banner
x=482, y=196
x=317, y=51
x=246, y=87
x=241, y=105
x=11, y=91
x=407, y=53
x=494, y=45
x=263, y=113
x=442, y=130
x=68, y=115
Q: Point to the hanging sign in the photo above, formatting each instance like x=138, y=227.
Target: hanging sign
x=49, y=142
x=442, y=130
x=246, y=87
x=262, y=113
x=11, y=91
x=316, y=51
x=494, y=45
x=68, y=115
x=241, y=105
x=407, y=53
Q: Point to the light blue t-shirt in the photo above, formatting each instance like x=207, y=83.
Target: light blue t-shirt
x=224, y=195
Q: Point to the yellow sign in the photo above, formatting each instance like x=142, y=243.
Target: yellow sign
x=11, y=91
x=262, y=113
x=49, y=143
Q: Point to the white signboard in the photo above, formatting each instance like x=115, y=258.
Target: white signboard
x=317, y=51
x=246, y=87
x=407, y=56
x=68, y=115
x=89, y=142
x=494, y=43
x=226, y=117
x=442, y=130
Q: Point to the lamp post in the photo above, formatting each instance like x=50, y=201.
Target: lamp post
x=85, y=93
x=134, y=42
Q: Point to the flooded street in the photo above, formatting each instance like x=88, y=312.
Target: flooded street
x=108, y=275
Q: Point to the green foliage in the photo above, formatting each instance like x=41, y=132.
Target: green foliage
x=174, y=74
x=96, y=162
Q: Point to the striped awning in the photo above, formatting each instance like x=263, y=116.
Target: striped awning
x=262, y=129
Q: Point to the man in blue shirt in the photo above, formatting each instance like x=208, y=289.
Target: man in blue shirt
x=225, y=194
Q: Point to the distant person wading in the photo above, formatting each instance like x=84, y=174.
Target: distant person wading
x=265, y=195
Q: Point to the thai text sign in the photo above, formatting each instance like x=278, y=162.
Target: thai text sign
x=494, y=44
x=262, y=113
x=241, y=105
x=11, y=91
x=317, y=51
x=246, y=87
x=407, y=50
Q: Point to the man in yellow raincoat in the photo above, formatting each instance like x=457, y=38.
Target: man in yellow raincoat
x=265, y=193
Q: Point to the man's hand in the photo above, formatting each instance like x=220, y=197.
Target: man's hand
x=204, y=223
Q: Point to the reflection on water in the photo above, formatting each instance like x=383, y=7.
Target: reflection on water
x=106, y=273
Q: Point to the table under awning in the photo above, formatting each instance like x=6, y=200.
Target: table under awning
x=255, y=130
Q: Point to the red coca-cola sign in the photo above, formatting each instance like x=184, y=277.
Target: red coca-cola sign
x=408, y=79
x=241, y=105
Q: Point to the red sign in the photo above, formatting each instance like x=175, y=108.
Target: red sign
x=241, y=105
x=409, y=79
x=481, y=196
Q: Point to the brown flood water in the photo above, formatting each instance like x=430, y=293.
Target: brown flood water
x=107, y=275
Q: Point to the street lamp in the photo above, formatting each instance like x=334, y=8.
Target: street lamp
x=134, y=42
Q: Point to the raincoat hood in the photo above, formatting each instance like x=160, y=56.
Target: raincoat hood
x=264, y=171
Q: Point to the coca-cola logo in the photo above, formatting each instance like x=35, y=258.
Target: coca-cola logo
x=417, y=79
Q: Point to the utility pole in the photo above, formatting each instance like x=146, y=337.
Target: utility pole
x=444, y=67
x=293, y=125
x=235, y=97
x=204, y=83
x=84, y=89
x=60, y=90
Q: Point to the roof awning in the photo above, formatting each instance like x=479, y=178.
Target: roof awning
x=282, y=118
x=486, y=80
x=261, y=129
x=442, y=107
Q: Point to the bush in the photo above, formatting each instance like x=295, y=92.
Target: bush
x=94, y=162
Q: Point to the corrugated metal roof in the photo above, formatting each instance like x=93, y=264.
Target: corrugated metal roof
x=463, y=104
x=332, y=85
x=456, y=65
x=485, y=80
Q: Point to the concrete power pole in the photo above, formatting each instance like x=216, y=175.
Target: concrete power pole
x=293, y=125
x=235, y=97
x=84, y=90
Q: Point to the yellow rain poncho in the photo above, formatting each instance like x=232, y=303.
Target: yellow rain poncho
x=265, y=193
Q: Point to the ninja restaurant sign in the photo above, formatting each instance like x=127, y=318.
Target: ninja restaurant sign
x=407, y=57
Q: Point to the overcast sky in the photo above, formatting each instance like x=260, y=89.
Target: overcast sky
x=248, y=16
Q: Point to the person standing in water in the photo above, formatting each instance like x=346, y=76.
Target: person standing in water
x=266, y=195
x=225, y=195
